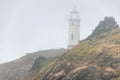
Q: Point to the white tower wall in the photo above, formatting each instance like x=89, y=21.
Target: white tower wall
x=74, y=29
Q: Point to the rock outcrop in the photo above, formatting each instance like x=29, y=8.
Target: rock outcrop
x=96, y=58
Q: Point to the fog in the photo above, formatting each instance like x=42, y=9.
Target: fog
x=31, y=25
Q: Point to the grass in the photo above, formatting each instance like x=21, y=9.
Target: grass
x=106, y=43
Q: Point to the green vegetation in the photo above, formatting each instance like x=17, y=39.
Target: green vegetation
x=106, y=25
x=93, y=58
x=38, y=63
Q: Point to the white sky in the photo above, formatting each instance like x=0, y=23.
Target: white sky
x=31, y=25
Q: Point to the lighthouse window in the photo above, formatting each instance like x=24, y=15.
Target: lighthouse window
x=71, y=36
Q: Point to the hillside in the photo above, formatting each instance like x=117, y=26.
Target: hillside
x=96, y=58
x=18, y=69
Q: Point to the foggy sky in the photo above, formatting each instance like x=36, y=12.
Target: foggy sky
x=27, y=26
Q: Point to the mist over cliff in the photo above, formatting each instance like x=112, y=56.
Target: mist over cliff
x=95, y=58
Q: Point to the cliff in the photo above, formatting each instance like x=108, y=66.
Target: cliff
x=96, y=58
x=19, y=68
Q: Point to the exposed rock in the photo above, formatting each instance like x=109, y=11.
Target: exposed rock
x=96, y=58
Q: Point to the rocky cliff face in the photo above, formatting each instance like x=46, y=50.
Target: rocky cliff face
x=96, y=58
x=18, y=69
x=104, y=66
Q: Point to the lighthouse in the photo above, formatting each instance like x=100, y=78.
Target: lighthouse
x=74, y=29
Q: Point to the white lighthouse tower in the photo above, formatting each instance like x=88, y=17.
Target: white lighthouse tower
x=74, y=29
